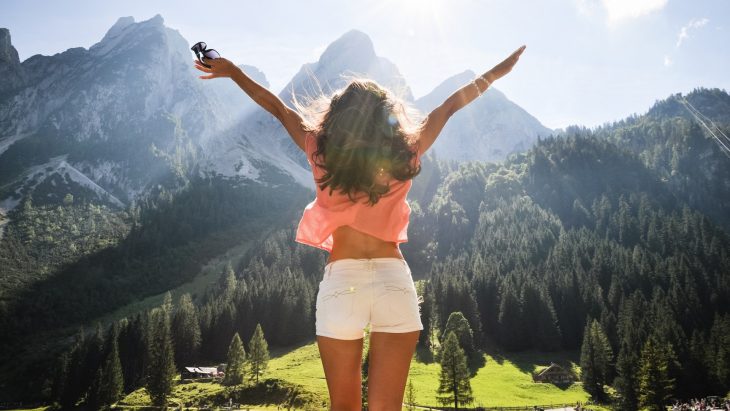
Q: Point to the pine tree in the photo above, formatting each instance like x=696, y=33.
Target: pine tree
x=410, y=396
x=460, y=326
x=364, y=375
x=186, y=332
x=625, y=382
x=595, y=360
x=424, y=338
x=454, y=385
x=235, y=362
x=655, y=386
x=112, y=383
x=93, y=358
x=258, y=353
x=93, y=401
x=161, y=365
x=72, y=388
x=60, y=377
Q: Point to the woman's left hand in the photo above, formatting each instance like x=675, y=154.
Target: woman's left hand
x=219, y=67
x=506, y=65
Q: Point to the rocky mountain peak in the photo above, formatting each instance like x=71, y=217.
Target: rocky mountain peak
x=354, y=45
x=8, y=54
x=10, y=69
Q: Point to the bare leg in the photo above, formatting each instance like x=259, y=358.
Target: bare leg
x=342, y=361
x=390, y=360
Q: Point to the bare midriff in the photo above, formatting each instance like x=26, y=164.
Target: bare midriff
x=351, y=243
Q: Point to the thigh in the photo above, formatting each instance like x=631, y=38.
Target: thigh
x=390, y=360
x=342, y=362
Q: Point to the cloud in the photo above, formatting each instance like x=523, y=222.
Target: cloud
x=620, y=10
x=667, y=61
x=693, y=24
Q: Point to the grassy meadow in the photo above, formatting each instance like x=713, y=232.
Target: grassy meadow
x=296, y=372
x=504, y=380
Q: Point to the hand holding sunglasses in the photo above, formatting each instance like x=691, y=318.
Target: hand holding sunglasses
x=209, y=61
x=203, y=53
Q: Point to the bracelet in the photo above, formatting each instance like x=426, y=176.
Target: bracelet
x=480, y=92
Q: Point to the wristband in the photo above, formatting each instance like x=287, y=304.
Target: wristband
x=480, y=92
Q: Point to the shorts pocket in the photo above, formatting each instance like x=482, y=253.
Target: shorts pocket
x=335, y=300
x=401, y=299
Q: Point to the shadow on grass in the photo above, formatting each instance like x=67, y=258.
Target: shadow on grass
x=280, y=351
x=476, y=361
x=424, y=355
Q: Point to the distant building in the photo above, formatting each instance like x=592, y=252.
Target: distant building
x=554, y=374
x=200, y=372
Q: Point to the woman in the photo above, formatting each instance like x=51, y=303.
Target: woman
x=364, y=152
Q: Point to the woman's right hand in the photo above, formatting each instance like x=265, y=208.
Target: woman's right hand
x=506, y=65
x=219, y=67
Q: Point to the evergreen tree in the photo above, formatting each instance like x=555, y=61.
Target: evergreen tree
x=364, y=372
x=595, y=360
x=625, y=382
x=258, y=350
x=112, y=383
x=424, y=338
x=93, y=397
x=540, y=318
x=72, y=388
x=235, y=362
x=460, y=326
x=454, y=386
x=93, y=358
x=161, y=366
x=410, y=396
x=186, y=332
x=60, y=377
x=655, y=385
x=718, y=350
x=511, y=331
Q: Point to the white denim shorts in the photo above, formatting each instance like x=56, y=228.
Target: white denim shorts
x=355, y=292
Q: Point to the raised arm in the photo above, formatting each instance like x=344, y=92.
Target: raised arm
x=291, y=120
x=436, y=120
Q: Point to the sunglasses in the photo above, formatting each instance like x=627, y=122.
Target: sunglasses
x=202, y=53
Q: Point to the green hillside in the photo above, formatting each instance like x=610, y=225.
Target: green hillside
x=505, y=380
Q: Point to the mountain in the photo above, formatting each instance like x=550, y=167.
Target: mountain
x=488, y=129
x=130, y=114
x=119, y=118
x=260, y=139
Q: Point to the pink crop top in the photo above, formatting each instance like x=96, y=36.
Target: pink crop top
x=387, y=219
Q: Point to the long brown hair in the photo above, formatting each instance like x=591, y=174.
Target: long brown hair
x=364, y=137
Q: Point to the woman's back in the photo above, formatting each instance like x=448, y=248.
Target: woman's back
x=361, y=230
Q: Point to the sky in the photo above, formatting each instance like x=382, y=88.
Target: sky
x=587, y=62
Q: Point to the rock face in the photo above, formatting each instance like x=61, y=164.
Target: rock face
x=488, y=129
x=10, y=70
x=130, y=114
